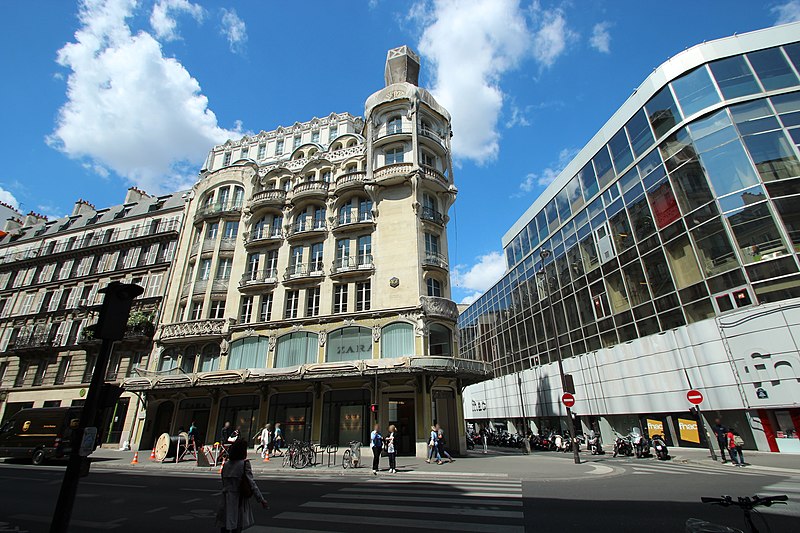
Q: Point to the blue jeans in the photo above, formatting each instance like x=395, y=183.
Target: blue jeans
x=736, y=455
x=434, y=450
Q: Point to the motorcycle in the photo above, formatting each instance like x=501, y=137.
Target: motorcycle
x=660, y=446
x=623, y=446
x=594, y=443
x=640, y=443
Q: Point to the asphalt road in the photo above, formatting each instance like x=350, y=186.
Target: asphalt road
x=624, y=495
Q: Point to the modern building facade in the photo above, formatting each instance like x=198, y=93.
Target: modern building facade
x=50, y=275
x=311, y=281
x=663, y=258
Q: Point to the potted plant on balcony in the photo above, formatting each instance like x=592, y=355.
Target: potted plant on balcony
x=141, y=323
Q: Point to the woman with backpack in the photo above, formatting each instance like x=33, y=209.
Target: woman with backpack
x=391, y=449
x=238, y=486
x=376, y=443
x=735, y=443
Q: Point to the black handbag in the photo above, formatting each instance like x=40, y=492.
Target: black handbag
x=245, y=490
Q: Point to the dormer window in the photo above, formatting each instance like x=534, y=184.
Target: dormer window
x=315, y=136
x=296, y=142
x=245, y=152
x=394, y=125
x=333, y=132
x=279, y=147
x=262, y=151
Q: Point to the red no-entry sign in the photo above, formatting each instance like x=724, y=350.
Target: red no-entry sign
x=568, y=399
x=695, y=397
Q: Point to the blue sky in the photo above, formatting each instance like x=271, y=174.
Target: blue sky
x=104, y=94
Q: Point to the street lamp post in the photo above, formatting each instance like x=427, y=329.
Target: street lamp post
x=544, y=254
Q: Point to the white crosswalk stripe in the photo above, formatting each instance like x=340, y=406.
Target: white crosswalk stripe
x=468, y=505
x=681, y=469
x=790, y=487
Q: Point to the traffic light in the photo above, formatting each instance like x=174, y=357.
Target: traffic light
x=373, y=408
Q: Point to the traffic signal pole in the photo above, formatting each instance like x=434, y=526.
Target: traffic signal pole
x=110, y=327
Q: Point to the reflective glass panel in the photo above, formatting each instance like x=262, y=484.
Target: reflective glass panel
x=650, y=162
x=588, y=181
x=620, y=151
x=662, y=112
x=677, y=149
x=616, y=293
x=793, y=51
x=680, y=254
x=639, y=133
x=773, y=155
x=714, y=248
x=789, y=211
x=728, y=167
x=734, y=77
x=573, y=192
x=562, y=204
x=772, y=69
x=756, y=233
x=660, y=280
x=786, y=103
x=603, y=168
x=589, y=253
x=630, y=179
x=691, y=187
x=552, y=215
x=742, y=199
x=637, y=285
x=621, y=231
x=641, y=220
x=695, y=91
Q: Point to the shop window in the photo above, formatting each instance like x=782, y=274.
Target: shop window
x=397, y=340
x=349, y=344
x=294, y=411
x=250, y=352
x=345, y=417
x=295, y=349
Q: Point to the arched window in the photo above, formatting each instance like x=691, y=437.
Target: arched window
x=294, y=349
x=209, y=360
x=190, y=354
x=250, y=352
x=440, y=340
x=397, y=340
x=394, y=155
x=168, y=361
x=349, y=344
x=394, y=125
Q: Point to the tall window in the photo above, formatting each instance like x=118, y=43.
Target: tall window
x=394, y=125
x=212, y=228
x=277, y=225
x=296, y=263
x=292, y=300
x=245, y=151
x=312, y=301
x=279, y=147
x=333, y=132
x=296, y=142
x=265, y=313
x=252, y=266
x=316, y=257
x=342, y=252
x=217, y=309
x=204, y=272
x=231, y=229
x=226, y=159
x=222, y=196
x=271, y=263
x=440, y=340
x=427, y=159
x=209, y=358
x=434, y=287
x=340, y=298
x=262, y=151
x=196, y=311
x=247, y=310
x=363, y=296
x=364, y=210
x=394, y=155
x=250, y=352
x=224, y=268
x=349, y=344
x=345, y=213
x=319, y=218
x=365, y=250
x=315, y=136
x=397, y=340
x=63, y=370
x=295, y=349
x=431, y=245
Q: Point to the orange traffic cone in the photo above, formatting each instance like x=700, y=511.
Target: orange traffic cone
x=135, y=458
x=266, y=458
x=222, y=465
x=153, y=454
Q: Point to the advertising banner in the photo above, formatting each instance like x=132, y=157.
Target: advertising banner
x=688, y=430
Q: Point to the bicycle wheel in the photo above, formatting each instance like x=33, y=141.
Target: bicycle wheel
x=287, y=458
x=347, y=459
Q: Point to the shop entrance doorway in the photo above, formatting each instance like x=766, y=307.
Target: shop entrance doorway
x=401, y=414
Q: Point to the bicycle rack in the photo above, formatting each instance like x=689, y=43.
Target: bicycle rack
x=332, y=450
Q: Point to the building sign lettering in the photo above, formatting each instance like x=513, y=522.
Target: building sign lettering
x=478, y=405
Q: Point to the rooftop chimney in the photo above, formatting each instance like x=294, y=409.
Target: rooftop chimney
x=402, y=65
x=31, y=219
x=11, y=225
x=82, y=207
x=135, y=195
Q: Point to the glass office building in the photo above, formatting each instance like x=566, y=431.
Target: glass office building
x=663, y=258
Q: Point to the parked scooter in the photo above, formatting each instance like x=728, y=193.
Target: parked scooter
x=594, y=443
x=660, y=446
x=641, y=444
x=622, y=446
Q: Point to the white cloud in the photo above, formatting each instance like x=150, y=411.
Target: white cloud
x=480, y=276
x=546, y=176
x=129, y=109
x=518, y=117
x=786, y=12
x=162, y=18
x=601, y=38
x=552, y=35
x=234, y=29
x=471, y=45
x=469, y=298
x=8, y=198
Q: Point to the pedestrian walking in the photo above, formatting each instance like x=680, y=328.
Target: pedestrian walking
x=266, y=440
x=376, y=444
x=391, y=449
x=238, y=488
x=277, y=439
x=735, y=443
x=433, y=447
x=485, y=440
x=721, y=432
x=225, y=432
x=440, y=442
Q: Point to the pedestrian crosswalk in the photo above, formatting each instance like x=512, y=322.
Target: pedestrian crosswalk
x=789, y=486
x=446, y=505
x=681, y=469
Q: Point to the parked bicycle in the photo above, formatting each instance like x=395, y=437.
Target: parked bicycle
x=299, y=455
x=746, y=504
x=352, y=456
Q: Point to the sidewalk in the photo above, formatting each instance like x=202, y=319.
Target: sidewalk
x=764, y=461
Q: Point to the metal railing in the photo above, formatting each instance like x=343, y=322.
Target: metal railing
x=218, y=207
x=433, y=174
x=303, y=270
x=432, y=134
x=350, y=264
x=264, y=233
x=434, y=259
x=432, y=215
x=269, y=275
x=386, y=132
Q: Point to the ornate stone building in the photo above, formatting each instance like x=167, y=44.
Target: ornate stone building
x=50, y=274
x=311, y=281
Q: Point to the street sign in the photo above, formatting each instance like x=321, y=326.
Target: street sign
x=88, y=441
x=695, y=397
x=568, y=399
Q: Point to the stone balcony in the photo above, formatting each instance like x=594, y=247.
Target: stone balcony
x=193, y=329
x=268, y=198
